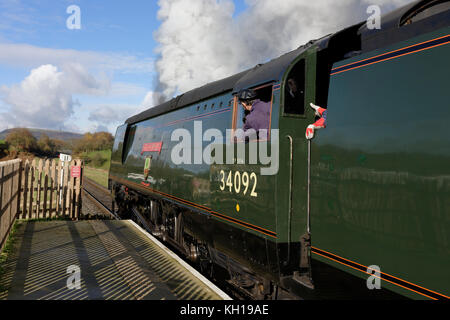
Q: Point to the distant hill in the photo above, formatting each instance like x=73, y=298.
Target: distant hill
x=52, y=134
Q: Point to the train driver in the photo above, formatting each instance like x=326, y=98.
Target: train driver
x=257, y=113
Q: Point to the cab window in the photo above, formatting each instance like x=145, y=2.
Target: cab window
x=129, y=141
x=259, y=118
x=294, y=90
x=117, y=149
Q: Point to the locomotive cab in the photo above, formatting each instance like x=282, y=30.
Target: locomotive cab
x=117, y=151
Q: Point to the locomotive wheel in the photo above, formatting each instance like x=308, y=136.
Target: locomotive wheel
x=207, y=268
x=205, y=263
x=164, y=231
x=179, y=229
x=262, y=290
x=124, y=212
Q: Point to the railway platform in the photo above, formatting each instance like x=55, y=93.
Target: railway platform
x=97, y=260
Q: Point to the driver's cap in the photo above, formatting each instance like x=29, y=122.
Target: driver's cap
x=246, y=95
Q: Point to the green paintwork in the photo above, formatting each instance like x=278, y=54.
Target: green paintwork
x=381, y=174
x=198, y=183
x=291, y=224
x=380, y=170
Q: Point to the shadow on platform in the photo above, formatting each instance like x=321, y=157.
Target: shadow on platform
x=116, y=262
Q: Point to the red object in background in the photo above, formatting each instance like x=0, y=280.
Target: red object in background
x=152, y=147
x=75, y=172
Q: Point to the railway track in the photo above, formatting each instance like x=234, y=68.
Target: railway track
x=100, y=197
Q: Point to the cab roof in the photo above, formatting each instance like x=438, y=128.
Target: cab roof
x=261, y=73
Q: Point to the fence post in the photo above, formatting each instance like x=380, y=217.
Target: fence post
x=15, y=204
x=77, y=208
x=9, y=196
x=25, y=186
x=70, y=189
x=58, y=189
x=46, y=172
x=2, y=202
x=52, y=186
x=64, y=188
x=39, y=189
x=31, y=203
x=8, y=190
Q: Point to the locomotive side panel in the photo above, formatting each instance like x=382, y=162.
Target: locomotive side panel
x=380, y=173
x=228, y=206
x=291, y=186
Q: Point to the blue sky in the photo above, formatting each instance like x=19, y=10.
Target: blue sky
x=34, y=33
x=106, y=26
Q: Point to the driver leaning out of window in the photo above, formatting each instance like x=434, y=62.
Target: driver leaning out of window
x=258, y=113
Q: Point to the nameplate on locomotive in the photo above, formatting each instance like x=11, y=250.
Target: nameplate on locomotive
x=152, y=147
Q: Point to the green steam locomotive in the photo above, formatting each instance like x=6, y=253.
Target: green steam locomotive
x=362, y=210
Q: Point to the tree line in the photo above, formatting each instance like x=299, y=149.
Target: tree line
x=21, y=141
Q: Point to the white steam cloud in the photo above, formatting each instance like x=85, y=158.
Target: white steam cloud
x=200, y=41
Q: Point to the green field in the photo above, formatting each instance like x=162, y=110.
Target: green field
x=98, y=175
x=97, y=159
x=97, y=166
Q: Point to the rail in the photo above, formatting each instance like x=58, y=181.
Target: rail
x=98, y=202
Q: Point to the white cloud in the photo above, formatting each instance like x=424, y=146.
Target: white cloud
x=120, y=89
x=44, y=99
x=29, y=56
x=112, y=115
x=107, y=114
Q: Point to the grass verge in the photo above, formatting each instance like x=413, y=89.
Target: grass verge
x=7, y=250
x=97, y=159
x=97, y=175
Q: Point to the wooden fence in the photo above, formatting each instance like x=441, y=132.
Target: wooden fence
x=9, y=196
x=39, y=189
x=51, y=189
